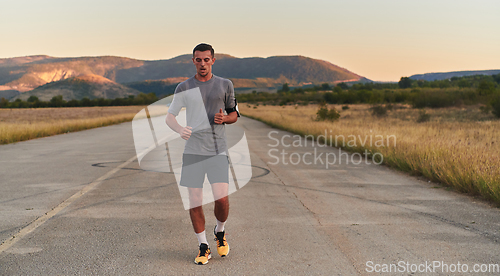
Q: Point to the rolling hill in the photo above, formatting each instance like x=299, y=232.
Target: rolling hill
x=90, y=86
x=159, y=87
x=24, y=74
x=449, y=75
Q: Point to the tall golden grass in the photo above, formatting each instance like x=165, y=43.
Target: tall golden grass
x=458, y=147
x=24, y=124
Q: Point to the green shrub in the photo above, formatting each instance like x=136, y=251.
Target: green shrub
x=324, y=114
x=332, y=98
x=33, y=99
x=345, y=107
x=4, y=102
x=405, y=82
x=432, y=99
x=423, y=116
x=379, y=111
x=333, y=114
x=495, y=104
x=57, y=101
x=486, y=87
x=485, y=108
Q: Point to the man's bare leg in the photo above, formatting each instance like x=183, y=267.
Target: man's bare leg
x=221, y=211
x=198, y=221
x=221, y=208
x=196, y=211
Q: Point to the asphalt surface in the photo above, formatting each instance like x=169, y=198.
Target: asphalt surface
x=288, y=220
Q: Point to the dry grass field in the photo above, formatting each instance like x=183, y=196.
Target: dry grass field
x=459, y=147
x=24, y=124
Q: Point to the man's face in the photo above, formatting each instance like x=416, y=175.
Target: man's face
x=203, y=62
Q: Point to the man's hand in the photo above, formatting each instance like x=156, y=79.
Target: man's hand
x=186, y=132
x=219, y=117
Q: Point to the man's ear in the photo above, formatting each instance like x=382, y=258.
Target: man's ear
x=192, y=59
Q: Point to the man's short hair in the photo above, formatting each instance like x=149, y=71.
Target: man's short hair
x=202, y=47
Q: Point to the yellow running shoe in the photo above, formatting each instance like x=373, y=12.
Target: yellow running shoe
x=222, y=245
x=203, y=255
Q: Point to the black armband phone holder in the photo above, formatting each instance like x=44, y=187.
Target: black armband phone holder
x=235, y=108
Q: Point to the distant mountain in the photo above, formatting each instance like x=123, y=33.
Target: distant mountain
x=27, y=73
x=449, y=75
x=159, y=87
x=91, y=86
x=22, y=60
x=245, y=72
x=8, y=94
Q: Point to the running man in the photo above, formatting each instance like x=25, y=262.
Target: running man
x=205, y=152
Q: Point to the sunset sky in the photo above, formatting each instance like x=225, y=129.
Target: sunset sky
x=380, y=40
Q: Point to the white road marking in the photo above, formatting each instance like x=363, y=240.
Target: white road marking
x=41, y=220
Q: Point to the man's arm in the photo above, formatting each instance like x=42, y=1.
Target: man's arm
x=230, y=118
x=171, y=121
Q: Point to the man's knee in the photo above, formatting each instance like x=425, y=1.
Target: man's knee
x=222, y=201
x=195, y=197
x=220, y=190
x=196, y=210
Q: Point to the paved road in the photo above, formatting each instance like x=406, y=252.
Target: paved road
x=289, y=220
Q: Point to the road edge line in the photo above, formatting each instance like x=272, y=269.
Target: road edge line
x=41, y=220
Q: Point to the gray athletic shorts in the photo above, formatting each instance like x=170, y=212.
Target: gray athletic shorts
x=195, y=167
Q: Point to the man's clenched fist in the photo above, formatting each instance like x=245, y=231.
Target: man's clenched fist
x=219, y=117
x=186, y=132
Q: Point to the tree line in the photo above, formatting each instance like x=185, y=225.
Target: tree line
x=477, y=89
x=58, y=101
